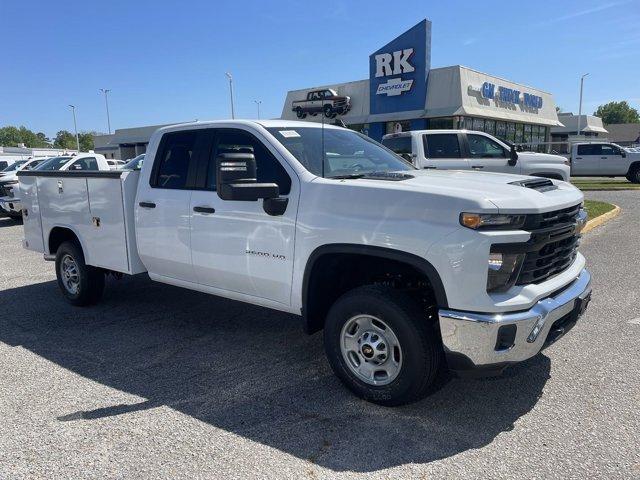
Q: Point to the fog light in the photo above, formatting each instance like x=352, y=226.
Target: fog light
x=537, y=328
x=503, y=270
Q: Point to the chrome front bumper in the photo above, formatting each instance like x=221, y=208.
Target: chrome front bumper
x=475, y=341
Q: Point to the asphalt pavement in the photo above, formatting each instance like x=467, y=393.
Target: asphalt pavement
x=161, y=382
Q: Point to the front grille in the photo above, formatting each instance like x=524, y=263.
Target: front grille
x=4, y=191
x=552, y=247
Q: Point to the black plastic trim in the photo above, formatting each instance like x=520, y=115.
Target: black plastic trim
x=415, y=261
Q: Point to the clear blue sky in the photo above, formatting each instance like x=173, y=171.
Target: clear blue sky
x=165, y=61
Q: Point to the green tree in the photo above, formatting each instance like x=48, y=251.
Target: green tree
x=617, y=112
x=10, y=136
x=43, y=140
x=86, y=141
x=65, y=139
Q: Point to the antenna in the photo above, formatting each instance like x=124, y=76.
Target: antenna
x=322, y=159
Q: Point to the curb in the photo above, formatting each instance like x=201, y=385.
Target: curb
x=604, y=218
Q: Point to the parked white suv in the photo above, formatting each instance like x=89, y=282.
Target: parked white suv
x=471, y=150
x=407, y=271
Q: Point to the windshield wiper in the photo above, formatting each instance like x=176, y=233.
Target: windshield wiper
x=348, y=175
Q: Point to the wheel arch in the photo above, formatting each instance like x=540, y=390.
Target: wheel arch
x=60, y=234
x=313, y=314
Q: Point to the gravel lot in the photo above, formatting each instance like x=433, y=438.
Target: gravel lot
x=159, y=382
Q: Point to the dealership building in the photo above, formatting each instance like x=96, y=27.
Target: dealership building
x=404, y=93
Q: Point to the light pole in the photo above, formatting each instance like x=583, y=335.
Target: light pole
x=75, y=126
x=233, y=115
x=106, y=103
x=258, y=102
x=580, y=107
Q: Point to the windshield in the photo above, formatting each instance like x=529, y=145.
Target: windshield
x=346, y=153
x=14, y=166
x=55, y=163
x=33, y=164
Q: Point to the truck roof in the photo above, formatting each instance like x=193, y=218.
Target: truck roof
x=421, y=132
x=264, y=123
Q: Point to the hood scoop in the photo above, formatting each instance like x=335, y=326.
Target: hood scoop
x=539, y=184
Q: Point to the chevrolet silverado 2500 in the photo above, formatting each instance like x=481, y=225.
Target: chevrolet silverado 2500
x=470, y=150
x=604, y=159
x=408, y=271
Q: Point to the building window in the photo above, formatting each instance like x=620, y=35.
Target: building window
x=405, y=126
x=511, y=132
x=444, y=123
x=501, y=130
x=478, y=124
x=468, y=123
x=490, y=126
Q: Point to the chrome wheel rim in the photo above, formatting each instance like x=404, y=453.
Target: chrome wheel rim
x=371, y=350
x=69, y=274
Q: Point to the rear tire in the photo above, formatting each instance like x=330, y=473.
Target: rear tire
x=81, y=284
x=634, y=174
x=381, y=345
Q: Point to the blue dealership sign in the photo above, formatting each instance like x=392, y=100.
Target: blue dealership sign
x=509, y=95
x=398, y=72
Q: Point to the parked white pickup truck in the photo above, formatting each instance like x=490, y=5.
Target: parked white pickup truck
x=602, y=159
x=408, y=271
x=10, y=203
x=470, y=150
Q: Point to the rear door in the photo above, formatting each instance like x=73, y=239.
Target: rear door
x=443, y=151
x=236, y=245
x=586, y=160
x=163, y=229
x=488, y=155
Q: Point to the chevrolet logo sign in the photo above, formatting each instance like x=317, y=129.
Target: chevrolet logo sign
x=394, y=86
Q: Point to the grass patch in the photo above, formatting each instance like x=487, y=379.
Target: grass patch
x=595, y=209
x=609, y=184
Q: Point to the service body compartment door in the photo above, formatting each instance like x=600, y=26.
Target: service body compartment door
x=31, y=214
x=105, y=232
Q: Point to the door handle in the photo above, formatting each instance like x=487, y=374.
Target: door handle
x=578, y=158
x=477, y=167
x=147, y=204
x=202, y=209
x=430, y=167
x=603, y=158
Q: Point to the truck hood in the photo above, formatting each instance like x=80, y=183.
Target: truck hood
x=485, y=189
x=540, y=157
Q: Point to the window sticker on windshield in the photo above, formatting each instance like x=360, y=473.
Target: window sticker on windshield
x=289, y=133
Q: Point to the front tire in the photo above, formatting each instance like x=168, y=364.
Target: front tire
x=634, y=174
x=381, y=345
x=81, y=284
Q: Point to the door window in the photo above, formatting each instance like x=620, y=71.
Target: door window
x=87, y=163
x=398, y=145
x=608, y=150
x=484, y=147
x=442, y=145
x=175, y=160
x=269, y=169
x=589, y=149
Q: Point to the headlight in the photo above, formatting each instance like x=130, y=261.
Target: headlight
x=491, y=221
x=503, y=270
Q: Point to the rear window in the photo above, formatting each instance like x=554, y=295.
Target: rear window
x=398, y=145
x=442, y=145
x=175, y=159
x=588, y=149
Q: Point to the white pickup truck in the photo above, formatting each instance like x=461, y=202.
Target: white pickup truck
x=407, y=271
x=603, y=159
x=470, y=150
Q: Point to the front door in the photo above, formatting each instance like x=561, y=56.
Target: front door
x=611, y=160
x=236, y=246
x=442, y=151
x=487, y=155
x=162, y=207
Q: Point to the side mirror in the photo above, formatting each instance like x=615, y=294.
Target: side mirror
x=236, y=178
x=623, y=153
x=513, y=156
x=407, y=156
